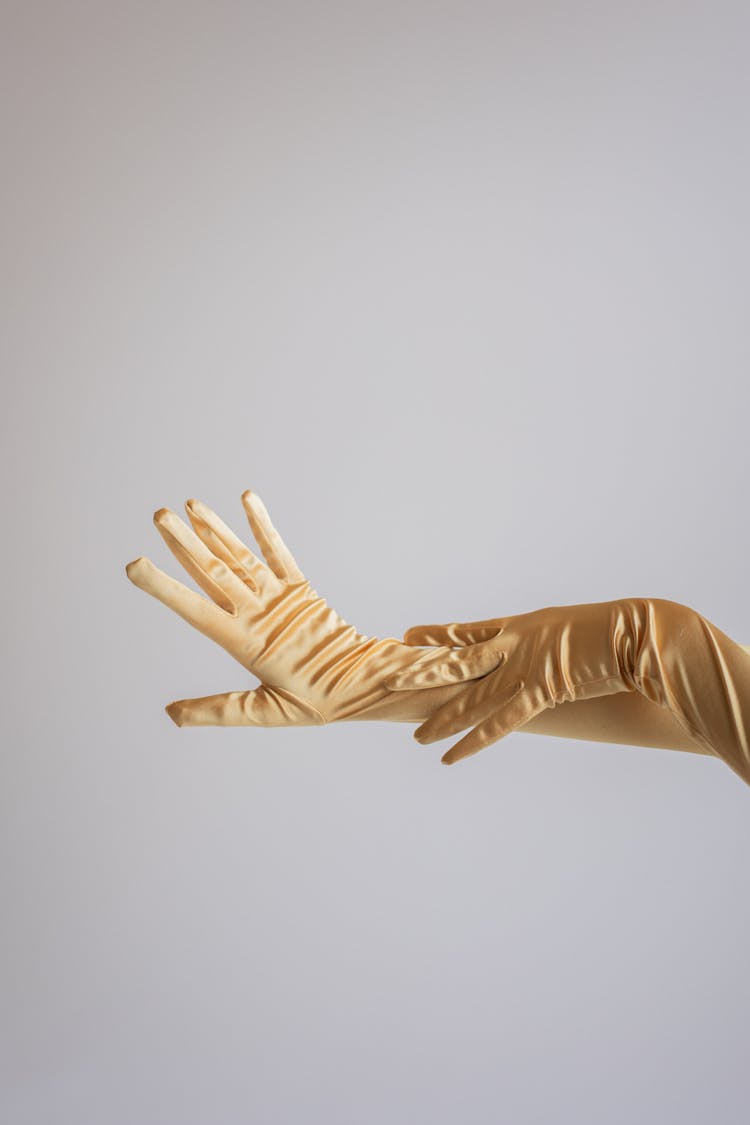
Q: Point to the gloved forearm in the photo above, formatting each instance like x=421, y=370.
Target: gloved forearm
x=639, y=671
x=702, y=677
x=614, y=659
x=693, y=692
x=626, y=719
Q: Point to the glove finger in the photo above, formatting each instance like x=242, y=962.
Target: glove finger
x=455, y=634
x=275, y=551
x=515, y=711
x=263, y=707
x=470, y=706
x=223, y=543
x=212, y=574
x=198, y=611
x=468, y=663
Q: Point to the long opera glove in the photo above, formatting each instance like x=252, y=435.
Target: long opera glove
x=515, y=669
x=314, y=667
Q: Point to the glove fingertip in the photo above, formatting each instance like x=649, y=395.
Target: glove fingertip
x=136, y=568
x=424, y=635
x=176, y=712
x=253, y=503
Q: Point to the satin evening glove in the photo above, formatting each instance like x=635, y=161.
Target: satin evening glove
x=514, y=668
x=313, y=666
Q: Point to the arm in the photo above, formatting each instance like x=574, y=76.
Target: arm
x=628, y=718
x=314, y=667
x=643, y=652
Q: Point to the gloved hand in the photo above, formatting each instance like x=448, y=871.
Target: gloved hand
x=314, y=667
x=524, y=664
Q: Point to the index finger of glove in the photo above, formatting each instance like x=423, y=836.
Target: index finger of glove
x=518, y=709
x=468, y=663
x=457, y=633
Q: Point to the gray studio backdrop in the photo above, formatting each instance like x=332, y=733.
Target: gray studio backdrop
x=461, y=291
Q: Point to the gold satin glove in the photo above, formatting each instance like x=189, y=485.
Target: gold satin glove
x=313, y=666
x=523, y=665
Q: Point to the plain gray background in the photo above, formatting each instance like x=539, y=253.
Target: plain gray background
x=461, y=290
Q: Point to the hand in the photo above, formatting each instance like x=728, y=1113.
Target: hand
x=314, y=667
x=525, y=664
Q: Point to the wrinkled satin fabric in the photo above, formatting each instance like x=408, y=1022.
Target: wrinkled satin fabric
x=641, y=672
x=314, y=667
x=522, y=666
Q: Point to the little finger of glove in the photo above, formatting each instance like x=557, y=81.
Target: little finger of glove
x=519, y=707
x=203, y=614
